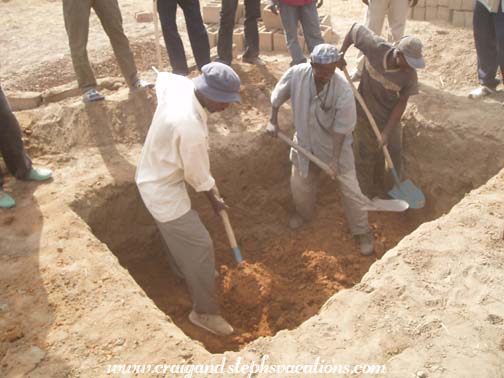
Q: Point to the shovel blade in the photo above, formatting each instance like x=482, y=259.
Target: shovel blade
x=410, y=193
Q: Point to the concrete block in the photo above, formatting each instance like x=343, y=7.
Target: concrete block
x=325, y=20
x=211, y=13
x=326, y=33
x=265, y=39
x=419, y=13
x=238, y=38
x=468, y=5
x=431, y=13
x=60, y=93
x=468, y=19
x=271, y=20
x=431, y=3
x=213, y=32
x=279, y=43
x=443, y=3
x=240, y=12
x=455, y=4
x=410, y=13
x=24, y=100
x=144, y=17
x=444, y=13
x=421, y=4
x=458, y=18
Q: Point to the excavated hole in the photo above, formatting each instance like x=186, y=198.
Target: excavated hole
x=287, y=276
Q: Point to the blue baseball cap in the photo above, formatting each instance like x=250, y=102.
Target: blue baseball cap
x=218, y=82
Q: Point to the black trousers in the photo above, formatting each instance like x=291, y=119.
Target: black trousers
x=227, y=22
x=11, y=145
x=198, y=36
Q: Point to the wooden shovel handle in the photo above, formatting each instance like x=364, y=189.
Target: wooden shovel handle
x=227, y=224
x=370, y=117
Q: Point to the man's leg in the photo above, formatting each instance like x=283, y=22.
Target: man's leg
x=366, y=155
x=311, y=25
x=76, y=16
x=11, y=144
x=499, y=33
x=304, y=190
x=192, y=250
x=375, y=17
x=110, y=17
x=397, y=14
x=252, y=13
x=290, y=18
x=486, y=46
x=351, y=195
x=198, y=35
x=225, y=37
x=167, y=10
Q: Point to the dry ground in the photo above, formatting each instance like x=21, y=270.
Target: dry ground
x=68, y=308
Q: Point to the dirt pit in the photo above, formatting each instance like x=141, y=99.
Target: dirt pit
x=286, y=277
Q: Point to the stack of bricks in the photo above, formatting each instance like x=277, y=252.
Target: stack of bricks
x=271, y=34
x=457, y=12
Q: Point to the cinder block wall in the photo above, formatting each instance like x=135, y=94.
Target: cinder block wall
x=457, y=12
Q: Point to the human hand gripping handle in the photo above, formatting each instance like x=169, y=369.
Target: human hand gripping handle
x=220, y=208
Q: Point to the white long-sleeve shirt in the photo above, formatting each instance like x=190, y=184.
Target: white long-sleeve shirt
x=175, y=150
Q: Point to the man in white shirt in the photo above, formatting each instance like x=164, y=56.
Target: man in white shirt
x=176, y=152
x=324, y=117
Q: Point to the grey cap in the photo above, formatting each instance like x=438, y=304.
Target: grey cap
x=218, y=82
x=325, y=53
x=412, y=47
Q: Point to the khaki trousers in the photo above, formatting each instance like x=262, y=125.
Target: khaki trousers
x=76, y=14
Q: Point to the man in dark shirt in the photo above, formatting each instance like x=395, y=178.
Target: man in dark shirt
x=389, y=78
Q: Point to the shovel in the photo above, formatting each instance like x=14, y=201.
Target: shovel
x=229, y=232
x=395, y=205
x=405, y=190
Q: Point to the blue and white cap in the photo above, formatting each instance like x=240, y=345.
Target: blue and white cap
x=325, y=54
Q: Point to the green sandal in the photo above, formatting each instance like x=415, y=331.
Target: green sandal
x=6, y=201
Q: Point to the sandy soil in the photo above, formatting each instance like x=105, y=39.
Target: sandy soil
x=68, y=308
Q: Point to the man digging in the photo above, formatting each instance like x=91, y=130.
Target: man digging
x=176, y=152
x=324, y=115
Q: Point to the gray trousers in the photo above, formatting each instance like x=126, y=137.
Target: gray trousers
x=76, y=14
x=307, y=15
x=304, y=192
x=191, y=255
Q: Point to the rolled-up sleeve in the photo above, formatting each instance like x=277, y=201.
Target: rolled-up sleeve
x=364, y=39
x=282, y=91
x=196, y=166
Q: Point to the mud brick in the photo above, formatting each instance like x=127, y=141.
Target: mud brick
x=211, y=13
x=468, y=19
x=24, y=100
x=431, y=13
x=279, y=43
x=468, y=5
x=455, y=4
x=458, y=18
x=443, y=3
x=271, y=20
x=431, y=3
x=144, y=17
x=421, y=4
x=61, y=92
x=444, y=13
x=265, y=39
x=238, y=38
x=419, y=13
